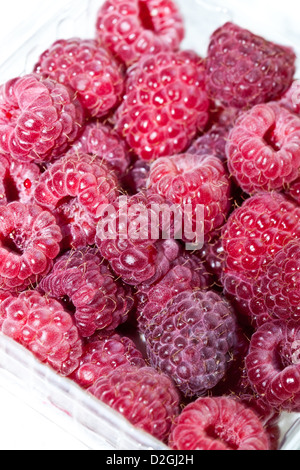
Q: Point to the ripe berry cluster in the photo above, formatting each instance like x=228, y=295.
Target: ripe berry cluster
x=200, y=349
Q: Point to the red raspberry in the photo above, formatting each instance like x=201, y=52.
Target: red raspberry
x=252, y=236
x=17, y=180
x=99, y=139
x=273, y=365
x=125, y=238
x=88, y=69
x=29, y=241
x=39, y=118
x=186, y=273
x=145, y=397
x=212, y=143
x=82, y=280
x=132, y=29
x=263, y=148
x=218, y=423
x=74, y=189
x=195, y=180
x=190, y=340
x=244, y=69
x=42, y=326
x=102, y=355
x=165, y=104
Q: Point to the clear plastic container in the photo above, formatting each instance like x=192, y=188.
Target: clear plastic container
x=55, y=397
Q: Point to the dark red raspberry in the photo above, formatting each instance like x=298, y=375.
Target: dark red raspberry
x=17, y=180
x=263, y=148
x=132, y=29
x=244, y=69
x=85, y=283
x=44, y=327
x=212, y=143
x=29, y=241
x=193, y=180
x=100, y=139
x=88, y=69
x=104, y=354
x=218, y=423
x=165, y=104
x=273, y=364
x=145, y=397
x=186, y=273
x=74, y=189
x=125, y=238
x=39, y=118
x=135, y=179
x=190, y=340
x=212, y=256
x=252, y=236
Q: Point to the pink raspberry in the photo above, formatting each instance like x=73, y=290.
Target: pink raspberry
x=103, y=355
x=252, y=236
x=244, y=69
x=88, y=69
x=165, y=104
x=74, y=189
x=132, y=29
x=125, y=238
x=218, y=423
x=29, y=241
x=190, y=340
x=263, y=148
x=146, y=398
x=101, y=140
x=42, y=325
x=193, y=180
x=273, y=365
x=186, y=273
x=17, y=180
x=83, y=280
x=39, y=118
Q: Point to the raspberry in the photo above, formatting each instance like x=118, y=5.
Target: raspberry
x=41, y=325
x=165, y=104
x=212, y=256
x=218, y=423
x=252, y=236
x=39, y=118
x=145, y=397
x=17, y=180
x=102, y=355
x=99, y=139
x=190, y=340
x=128, y=244
x=74, y=188
x=29, y=241
x=136, y=178
x=293, y=191
x=82, y=280
x=129, y=30
x=263, y=148
x=244, y=69
x=273, y=364
x=212, y=143
x=88, y=69
x=193, y=180
x=186, y=272
x=291, y=99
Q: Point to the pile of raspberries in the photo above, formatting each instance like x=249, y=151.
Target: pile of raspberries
x=200, y=348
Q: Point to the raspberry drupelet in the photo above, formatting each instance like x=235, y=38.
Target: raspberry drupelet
x=29, y=242
x=88, y=69
x=39, y=118
x=84, y=282
x=132, y=30
x=42, y=325
x=244, y=69
x=74, y=188
x=146, y=398
x=165, y=104
x=218, y=423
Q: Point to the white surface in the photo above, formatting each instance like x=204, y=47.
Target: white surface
x=22, y=428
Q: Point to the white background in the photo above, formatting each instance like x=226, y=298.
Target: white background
x=20, y=426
